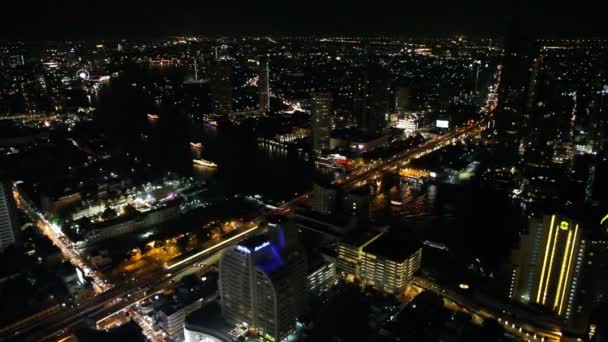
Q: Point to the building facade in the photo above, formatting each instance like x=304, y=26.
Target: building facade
x=264, y=85
x=221, y=87
x=325, y=199
x=263, y=284
x=321, y=109
x=375, y=260
x=549, y=265
x=171, y=319
x=374, y=116
x=10, y=233
x=322, y=278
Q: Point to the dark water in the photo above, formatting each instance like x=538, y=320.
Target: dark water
x=243, y=167
x=248, y=168
x=471, y=220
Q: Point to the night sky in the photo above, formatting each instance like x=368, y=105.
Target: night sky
x=59, y=19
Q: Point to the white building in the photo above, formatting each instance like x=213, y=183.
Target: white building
x=263, y=285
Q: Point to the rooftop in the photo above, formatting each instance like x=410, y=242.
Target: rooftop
x=254, y=241
x=210, y=321
x=393, y=246
x=359, y=238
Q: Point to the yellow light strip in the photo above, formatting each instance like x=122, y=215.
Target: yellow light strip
x=565, y=257
x=550, y=266
x=211, y=248
x=572, y=250
x=604, y=219
x=370, y=241
x=542, y=273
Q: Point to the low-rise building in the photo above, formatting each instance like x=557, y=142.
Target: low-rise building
x=381, y=260
x=209, y=325
x=186, y=299
x=388, y=264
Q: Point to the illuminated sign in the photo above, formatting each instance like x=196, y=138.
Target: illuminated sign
x=564, y=225
x=243, y=249
x=442, y=123
x=257, y=248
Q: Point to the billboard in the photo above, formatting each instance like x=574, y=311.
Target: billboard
x=442, y=124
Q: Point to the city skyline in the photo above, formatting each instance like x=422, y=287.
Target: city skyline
x=306, y=172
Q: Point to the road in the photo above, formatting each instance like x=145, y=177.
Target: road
x=375, y=169
x=54, y=233
x=519, y=322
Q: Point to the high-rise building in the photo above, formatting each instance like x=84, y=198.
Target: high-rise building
x=549, y=265
x=516, y=88
x=9, y=230
x=374, y=116
x=325, y=198
x=402, y=100
x=221, y=87
x=51, y=82
x=321, y=108
x=264, y=85
x=263, y=283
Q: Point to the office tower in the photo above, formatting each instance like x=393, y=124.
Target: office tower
x=51, y=82
x=547, y=138
x=9, y=230
x=373, y=117
x=263, y=284
x=321, y=121
x=549, y=265
x=221, y=87
x=381, y=260
x=516, y=88
x=402, y=100
x=264, y=85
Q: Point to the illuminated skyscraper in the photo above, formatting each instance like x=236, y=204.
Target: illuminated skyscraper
x=263, y=284
x=9, y=230
x=221, y=87
x=321, y=121
x=264, y=85
x=548, y=266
